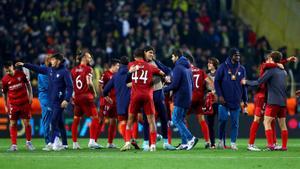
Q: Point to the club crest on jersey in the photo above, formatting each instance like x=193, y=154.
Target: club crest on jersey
x=57, y=75
x=239, y=73
x=19, y=79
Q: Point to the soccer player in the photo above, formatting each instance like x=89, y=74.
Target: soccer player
x=200, y=81
x=158, y=97
x=84, y=95
x=119, y=83
x=60, y=92
x=182, y=86
x=259, y=102
x=108, y=110
x=275, y=79
x=230, y=93
x=141, y=96
x=211, y=104
x=17, y=96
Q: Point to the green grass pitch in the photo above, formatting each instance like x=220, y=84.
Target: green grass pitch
x=113, y=158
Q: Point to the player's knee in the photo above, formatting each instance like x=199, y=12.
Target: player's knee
x=256, y=119
x=26, y=122
x=13, y=123
x=282, y=124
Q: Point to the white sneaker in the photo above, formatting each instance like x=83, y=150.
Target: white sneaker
x=48, y=147
x=252, y=147
x=29, y=146
x=220, y=145
x=126, y=147
x=182, y=147
x=57, y=141
x=233, y=146
x=58, y=147
x=93, y=145
x=76, y=146
x=192, y=143
x=66, y=147
x=167, y=146
x=153, y=147
x=112, y=145
x=12, y=148
x=277, y=147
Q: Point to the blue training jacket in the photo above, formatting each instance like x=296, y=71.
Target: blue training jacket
x=60, y=83
x=182, y=83
x=119, y=81
x=232, y=90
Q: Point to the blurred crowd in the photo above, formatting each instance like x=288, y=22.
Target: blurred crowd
x=30, y=29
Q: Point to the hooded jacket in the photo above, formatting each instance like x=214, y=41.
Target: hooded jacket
x=232, y=90
x=119, y=81
x=182, y=83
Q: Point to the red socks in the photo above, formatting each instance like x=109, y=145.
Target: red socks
x=284, y=137
x=128, y=135
x=13, y=134
x=169, y=135
x=111, y=132
x=75, y=129
x=153, y=137
x=135, y=130
x=253, y=131
x=205, y=130
x=100, y=126
x=269, y=136
x=28, y=132
x=94, y=128
x=123, y=130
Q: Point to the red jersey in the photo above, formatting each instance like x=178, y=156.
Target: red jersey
x=80, y=74
x=199, y=77
x=142, y=78
x=15, y=87
x=107, y=75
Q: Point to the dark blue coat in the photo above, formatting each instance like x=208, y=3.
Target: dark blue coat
x=232, y=90
x=119, y=81
x=182, y=83
x=60, y=83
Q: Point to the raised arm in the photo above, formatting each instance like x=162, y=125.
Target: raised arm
x=38, y=69
x=261, y=80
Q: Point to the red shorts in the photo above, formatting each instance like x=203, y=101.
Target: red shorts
x=122, y=117
x=275, y=111
x=19, y=111
x=86, y=107
x=141, y=101
x=108, y=111
x=259, y=101
x=196, y=107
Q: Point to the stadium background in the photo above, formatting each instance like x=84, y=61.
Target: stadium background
x=30, y=29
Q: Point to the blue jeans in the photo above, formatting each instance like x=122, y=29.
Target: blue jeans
x=224, y=112
x=178, y=116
